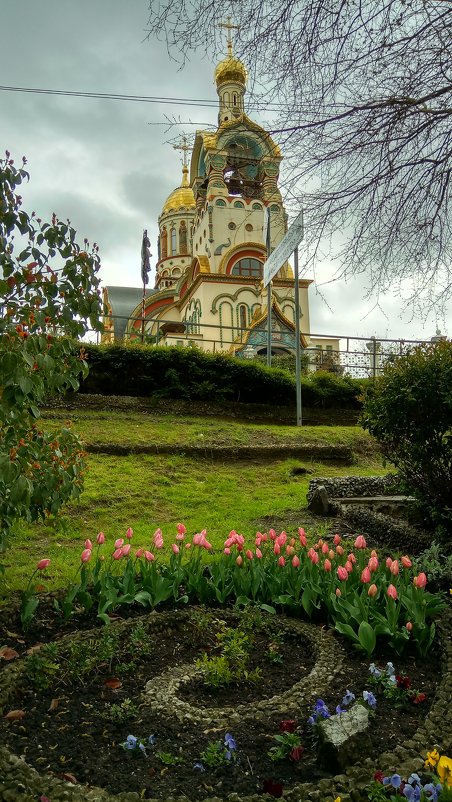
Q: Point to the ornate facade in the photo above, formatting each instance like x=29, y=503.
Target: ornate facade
x=211, y=249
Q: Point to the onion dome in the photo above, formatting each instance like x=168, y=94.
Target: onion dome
x=182, y=197
x=231, y=69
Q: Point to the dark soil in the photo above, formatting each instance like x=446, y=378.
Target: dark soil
x=68, y=728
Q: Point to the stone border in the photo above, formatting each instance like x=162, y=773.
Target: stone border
x=21, y=783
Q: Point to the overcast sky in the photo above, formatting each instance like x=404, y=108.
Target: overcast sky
x=108, y=165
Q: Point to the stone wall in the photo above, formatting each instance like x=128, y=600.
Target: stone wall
x=353, y=486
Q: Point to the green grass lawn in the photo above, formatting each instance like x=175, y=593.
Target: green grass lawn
x=145, y=492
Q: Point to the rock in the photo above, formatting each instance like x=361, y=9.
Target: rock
x=319, y=504
x=343, y=739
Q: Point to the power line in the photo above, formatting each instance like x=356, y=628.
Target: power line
x=199, y=102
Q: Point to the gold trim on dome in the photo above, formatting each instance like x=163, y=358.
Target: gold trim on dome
x=182, y=197
x=230, y=69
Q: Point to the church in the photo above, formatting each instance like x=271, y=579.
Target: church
x=212, y=246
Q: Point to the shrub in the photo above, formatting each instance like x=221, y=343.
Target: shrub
x=409, y=410
x=192, y=374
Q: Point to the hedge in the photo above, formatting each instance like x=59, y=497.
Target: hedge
x=192, y=374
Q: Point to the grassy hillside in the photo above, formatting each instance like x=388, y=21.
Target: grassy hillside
x=146, y=491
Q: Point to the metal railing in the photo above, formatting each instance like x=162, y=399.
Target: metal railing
x=341, y=354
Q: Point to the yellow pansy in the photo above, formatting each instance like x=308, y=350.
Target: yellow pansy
x=432, y=758
x=444, y=770
x=338, y=799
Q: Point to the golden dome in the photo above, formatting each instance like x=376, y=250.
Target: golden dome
x=182, y=197
x=230, y=69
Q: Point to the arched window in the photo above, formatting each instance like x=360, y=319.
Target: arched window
x=220, y=202
x=173, y=242
x=234, y=99
x=256, y=206
x=183, y=238
x=249, y=268
x=164, y=243
x=242, y=316
x=239, y=205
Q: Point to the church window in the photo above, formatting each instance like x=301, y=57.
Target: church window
x=173, y=242
x=248, y=268
x=242, y=317
x=274, y=207
x=183, y=238
x=226, y=98
x=239, y=205
x=234, y=99
x=256, y=206
x=164, y=243
x=220, y=202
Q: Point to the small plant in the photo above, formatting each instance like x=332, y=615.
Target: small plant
x=122, y=712
x=136, y=745
x=274, y=649
x=396, y=687
x=139, y=640
x=219, y=753
x=42, y=667
x=29, y=601
x=288, y=743
x=168, y=759
x=436, y=786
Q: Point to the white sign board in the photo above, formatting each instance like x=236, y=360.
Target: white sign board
x=284, y=249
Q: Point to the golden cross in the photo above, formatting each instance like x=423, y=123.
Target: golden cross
x=185, y=148
x=229, y=27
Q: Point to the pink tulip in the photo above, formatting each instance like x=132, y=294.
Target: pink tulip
x=295, y=561
x=394, y=569
x=406, y=562
x=281, y=562
x=338, y=592
x=420, y=580
x=158, y=539
x=206, y=545
x=348, y=567
x=249, y=554
x=408, y=626
x=313, y=556
x=337, y=539
x=388, y=562
x=126, y=550
x=258, y=554
x=327, y=565
x=342, y=573
x=181, y=530
x=175, y=548
x=351, y=558
x=119, y=542
x=100, y=539
x=117, y=554
x=290, y=551
x=264, y=537
x=373, y=590
x=292, y=541
x=392, y=592
x=272, y=534
x=129, y=533
x=360, y=542
x=331, y=554
x=239, y=560
x=149, y=556
x=42, y=564
x=282, y=538
x=86, y=555
x=139, y=553
x=88, y=544
x=277, y=548
x=325, y=548
x=320, y=542
x=188, y=545
x=339, y=550
x=302, y=537
x=373, y=564
x=227, y=550
x=179, y=537
x=365, y=575
x=373, y=553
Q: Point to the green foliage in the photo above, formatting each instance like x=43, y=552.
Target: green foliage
x=168, y=759
x=122, y=712
x=287, y=745
x=409, y=410
x=50, y=296
x=191, y=374
x=436, y=565
x=232, y=664
x=42, y=668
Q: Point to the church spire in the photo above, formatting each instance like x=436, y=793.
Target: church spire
x=230, y=78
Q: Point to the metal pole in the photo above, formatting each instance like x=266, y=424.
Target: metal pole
x=297, y=338
x=269, y=295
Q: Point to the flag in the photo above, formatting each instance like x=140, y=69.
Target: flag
x=145, y=258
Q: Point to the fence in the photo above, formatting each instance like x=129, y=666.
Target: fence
x=358, y=357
